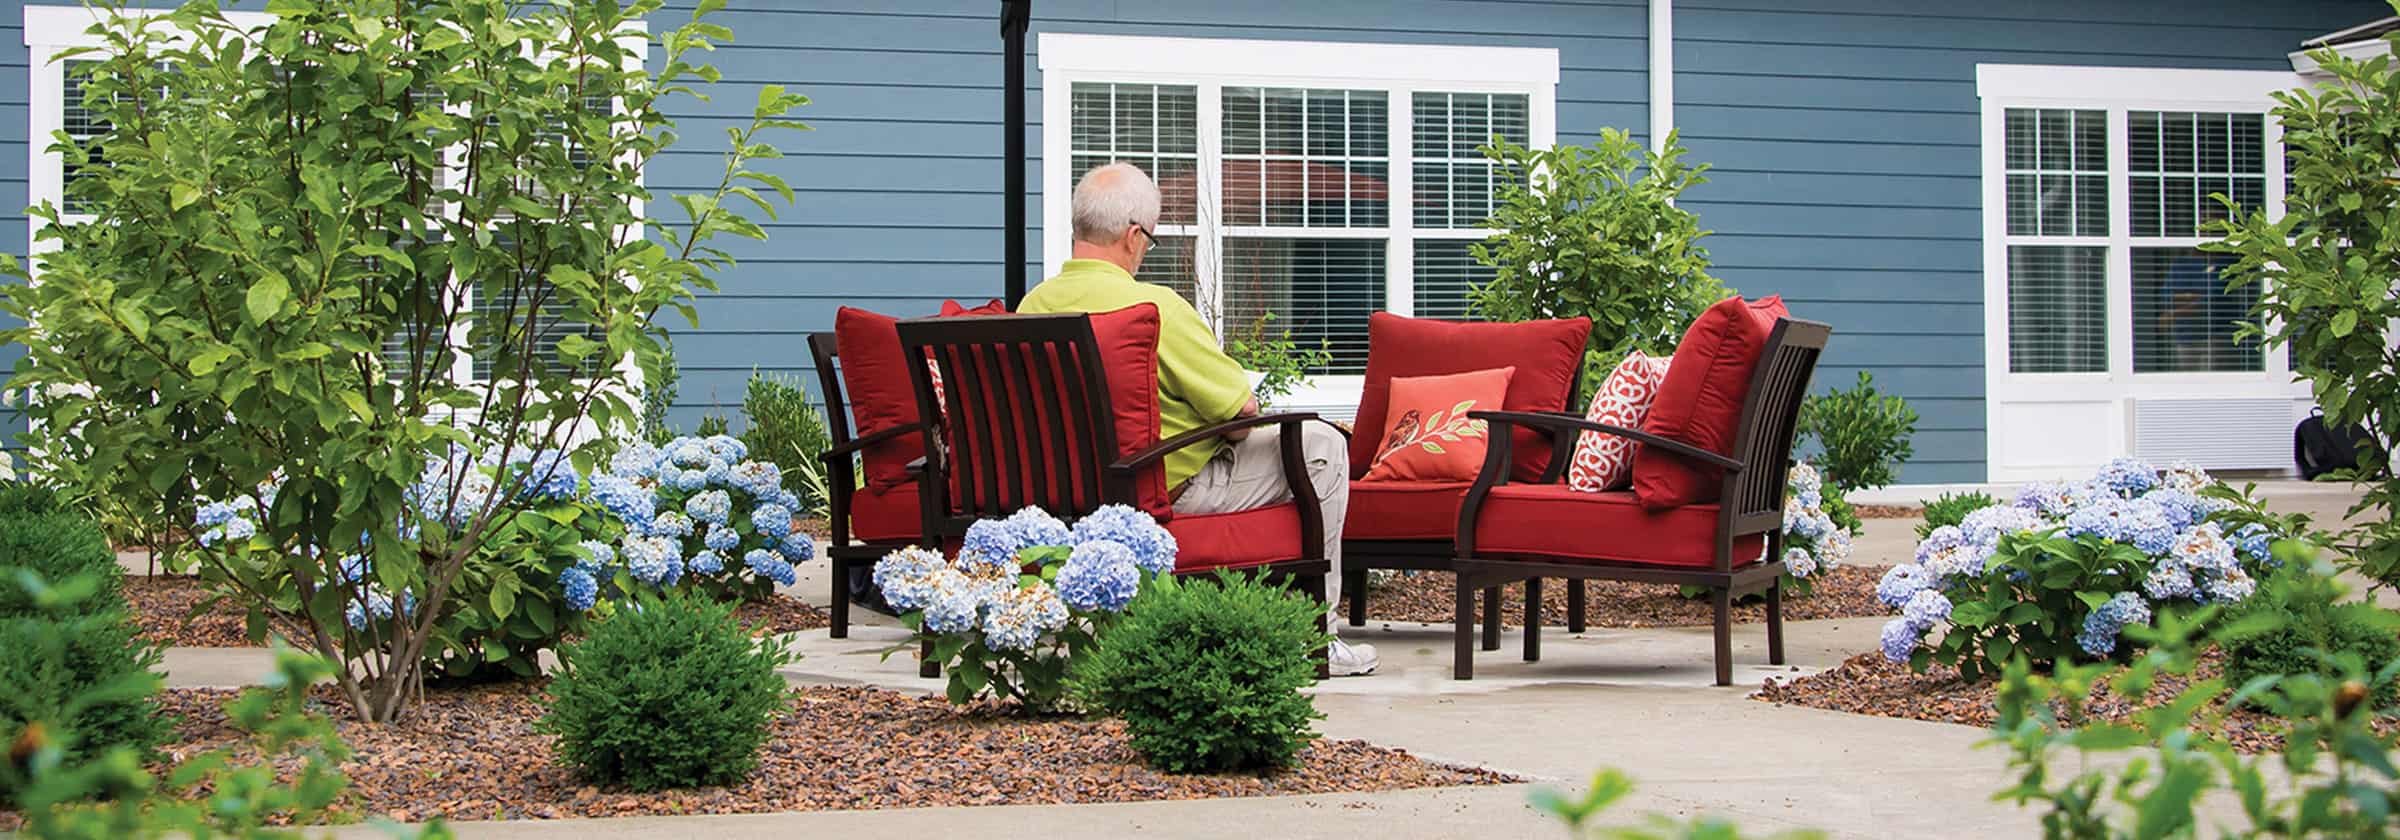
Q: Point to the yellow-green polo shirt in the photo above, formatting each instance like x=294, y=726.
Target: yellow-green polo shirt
x=1198, y=385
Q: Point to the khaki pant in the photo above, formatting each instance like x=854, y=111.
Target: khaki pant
x=1249, y=475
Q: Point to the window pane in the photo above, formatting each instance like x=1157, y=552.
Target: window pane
x=2183, y=160
x=2057, y=168
x=2057, y=309
x=1445, y=273
x=1155, y=127
x=504, y=311
x=1322, y=290
x=2184, y=320
x=81, y=123
x=1455, y=183
x=1318, y=160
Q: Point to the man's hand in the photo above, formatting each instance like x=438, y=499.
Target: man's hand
x=1249, y=409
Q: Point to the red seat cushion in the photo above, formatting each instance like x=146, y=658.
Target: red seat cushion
x=1237, y=540
x=1557, y=522
x=1546, y=354
x=1404, y=510
x=885, y=514
x=1700, y=401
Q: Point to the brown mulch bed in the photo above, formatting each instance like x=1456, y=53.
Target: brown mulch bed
x=162, y=606
x=1888, y=511
x=472, y=753
x=1849, y=592
x=1866, y=684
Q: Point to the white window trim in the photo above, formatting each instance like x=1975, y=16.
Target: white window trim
x=1213, y=64
x=52, y=30
x=2115, y=91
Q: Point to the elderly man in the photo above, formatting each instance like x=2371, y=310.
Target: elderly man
x=1116, y=212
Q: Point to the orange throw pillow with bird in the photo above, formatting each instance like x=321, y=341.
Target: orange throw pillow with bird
x=1431, y=437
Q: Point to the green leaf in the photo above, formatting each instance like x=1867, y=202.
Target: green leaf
x=504, y=599
x=2344, y=323
x=267, y=296
x=1971, y=614
x=182, y=195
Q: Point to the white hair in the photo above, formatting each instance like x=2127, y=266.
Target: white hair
x=1111, y=197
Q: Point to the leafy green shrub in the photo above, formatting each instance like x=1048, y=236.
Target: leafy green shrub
x=52, y=657
x=2314, y=624
x=24, y=497
x=56, y=546
x=785, y=430
x=1595, y=231
x=1862, y=432
x=666, y=694
x=1277, y=356
x=1951, y=509
x=1207, y=673
x=660, y=374
x=2322, y=272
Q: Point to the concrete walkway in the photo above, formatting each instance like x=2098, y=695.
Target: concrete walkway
x=1638, y=700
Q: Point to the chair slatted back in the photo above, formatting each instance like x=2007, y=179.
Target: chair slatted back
x=1752, y=500
x=1025, y=416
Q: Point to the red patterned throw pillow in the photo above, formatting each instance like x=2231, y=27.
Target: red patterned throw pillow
x=1432, y=438
x=1605, y=462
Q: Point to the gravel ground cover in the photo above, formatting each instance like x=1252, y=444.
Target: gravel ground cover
x=1888, y=511
x=1866, y=684
x=472, y=753
x=1849, y=592
x=163, y=606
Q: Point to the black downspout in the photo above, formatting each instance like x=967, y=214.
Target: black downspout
x=1015, y=15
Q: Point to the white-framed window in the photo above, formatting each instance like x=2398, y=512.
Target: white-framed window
x=1320, y=182
x=55, y=103
x=2102, y=314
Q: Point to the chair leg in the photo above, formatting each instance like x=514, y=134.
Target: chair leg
x=1354, y=584
x=1724, y=626
x=839, y=622
x=1533, y=620
x=1491, y=618
x=926, y=667
x=1575, y=605
x=1316, y=589
x=1463, y=631
x=1775, y=623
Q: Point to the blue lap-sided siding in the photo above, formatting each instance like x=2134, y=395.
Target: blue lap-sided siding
x=1845, y=139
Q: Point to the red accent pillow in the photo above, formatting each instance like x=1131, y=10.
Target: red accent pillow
x=1546, y=354
x=1129, y=354
x=1431, y=437
x=876, y=381
x=1605, y=462
x=1700, y=402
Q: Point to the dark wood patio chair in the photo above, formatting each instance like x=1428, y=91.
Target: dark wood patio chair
x=1040, y=410
x=864, y=529
x=1549, y=530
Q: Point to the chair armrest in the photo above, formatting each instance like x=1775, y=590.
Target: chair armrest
x=1556, y=425
x=1145, y=457
x=861, y=442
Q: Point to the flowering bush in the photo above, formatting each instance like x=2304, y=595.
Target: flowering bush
x=2062, y=570
x=1812, y=542
x=1023, y=595
x=697, y=514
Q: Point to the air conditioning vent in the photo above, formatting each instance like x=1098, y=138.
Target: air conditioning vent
x=2226, y=434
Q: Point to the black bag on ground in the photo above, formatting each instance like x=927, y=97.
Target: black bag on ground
x=2319, y=447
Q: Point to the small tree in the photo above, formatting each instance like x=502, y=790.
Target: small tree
x=1594, y=231
x=2325, y=272
x=299, y=232
x=1862, y=434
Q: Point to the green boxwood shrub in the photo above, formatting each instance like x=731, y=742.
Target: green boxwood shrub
x=1952, y=509
x=18, y=497
x=51, y=656
x=667, y=693
x=1207, y=673
x=2313, y=624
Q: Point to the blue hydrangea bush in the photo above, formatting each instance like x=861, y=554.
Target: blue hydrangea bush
x=1813, y=544
x=698, y=514
x=1023, y=596
x=2059, y=572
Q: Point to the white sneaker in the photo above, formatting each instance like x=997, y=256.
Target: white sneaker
x=1349, y=660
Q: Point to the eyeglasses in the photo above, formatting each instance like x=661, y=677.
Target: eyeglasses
x=1147, y=236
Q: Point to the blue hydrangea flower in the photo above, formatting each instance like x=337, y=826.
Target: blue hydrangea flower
x=1925, y=609
x=714, y=507
x=650, y=559
x=786, y=498
x=2053, y=499
x=637, y=459
x=721, y=538
x=1986, y=526
x=956, y=605
x=2128, y=476
x=767, y=564
x=2233, y=585
x=1899, y=639
x=771, y=521
x=2205, y=548
x=377, y=606
x=2181, y=507
x=726, y=448
x=625, y=499
x=2145, y=525
x=1900, y=583
x=1036, y=527
x=1153, y=548
x=597, y=555
x=1942, y=539
x=2185, y=476
x=705, y=563
x=719, y=474
x=1016, y=619
x=2169, y=581
x=671, y=524
x=686, y=452
x=1799, y=562
x=797, y=547
x=240, y=530
x=759, y=479
x=582, y=591
x=1100, y=575
x=2257, y=543
x=684, y=480
x=214, y=514
x=546, y=475
x=906, y=577
x=2101, y=628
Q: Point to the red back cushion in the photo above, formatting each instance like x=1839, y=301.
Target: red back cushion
x=1700, y=402
x=876, y=382
x=1546, y=354
x=1129, y=353
x=1431, y=438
